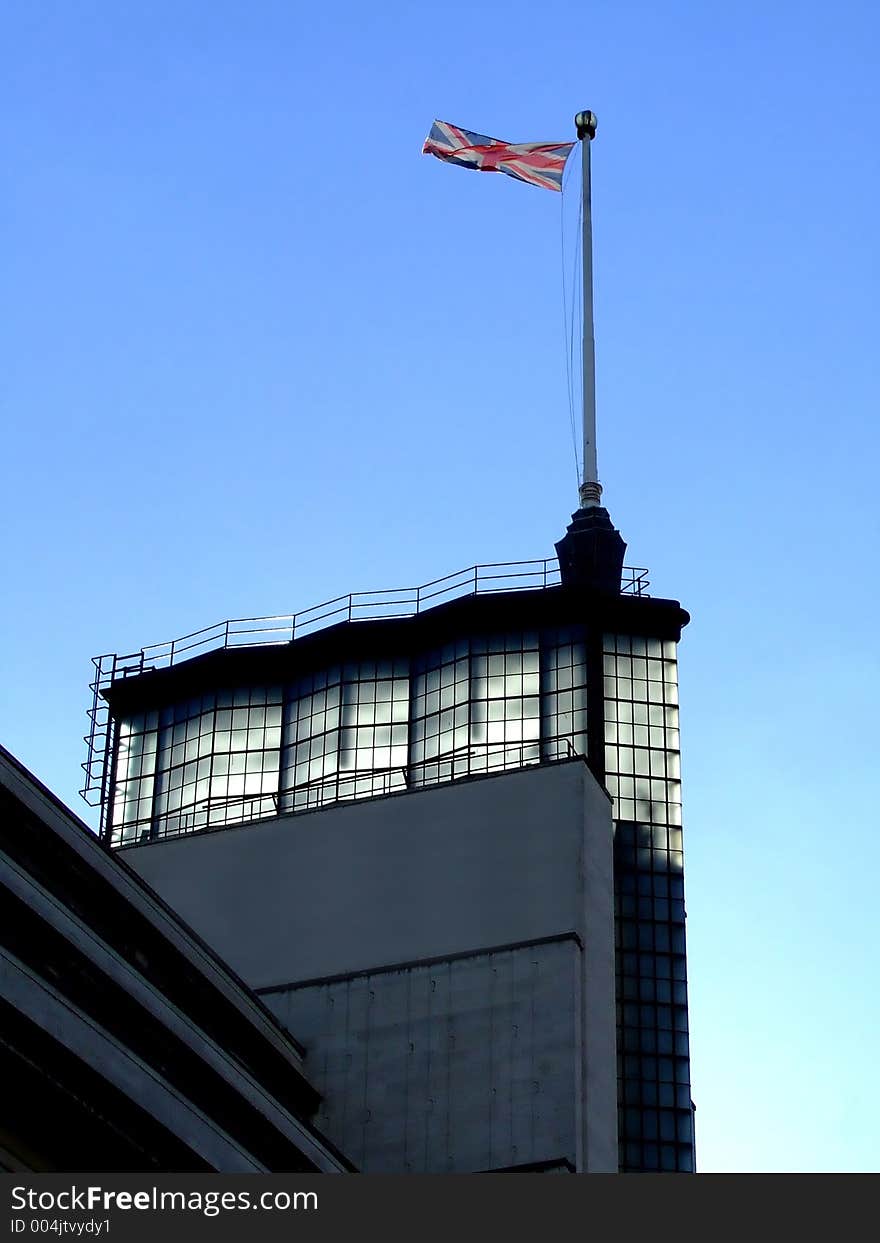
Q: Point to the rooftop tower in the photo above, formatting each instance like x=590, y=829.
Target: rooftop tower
x=438, y=831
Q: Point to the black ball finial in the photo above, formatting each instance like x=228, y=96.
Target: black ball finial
x=586, y=124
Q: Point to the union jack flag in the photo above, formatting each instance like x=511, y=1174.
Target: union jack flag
x=538, y=163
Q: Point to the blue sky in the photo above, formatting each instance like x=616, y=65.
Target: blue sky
x=258, y=351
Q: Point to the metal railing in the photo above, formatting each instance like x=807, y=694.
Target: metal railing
x=285, y=628
x=344, y=787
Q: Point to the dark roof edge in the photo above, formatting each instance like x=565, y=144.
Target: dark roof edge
x=382, y=637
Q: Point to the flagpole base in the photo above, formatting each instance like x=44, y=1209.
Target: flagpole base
x=590, y=494
x=591, y=552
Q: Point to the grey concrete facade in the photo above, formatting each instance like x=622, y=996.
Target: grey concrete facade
x=446, y=956
x=463, y=1064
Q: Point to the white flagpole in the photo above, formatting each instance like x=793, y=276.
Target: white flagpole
x=590, y=492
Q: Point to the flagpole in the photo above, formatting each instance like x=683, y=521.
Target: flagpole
x=591, y=551
x=590, y=491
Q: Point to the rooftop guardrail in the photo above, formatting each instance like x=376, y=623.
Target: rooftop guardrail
x=286, y=628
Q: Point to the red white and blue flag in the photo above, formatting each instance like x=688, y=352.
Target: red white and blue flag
x=538, y=163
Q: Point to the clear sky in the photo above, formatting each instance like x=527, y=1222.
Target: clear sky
x=258, y=351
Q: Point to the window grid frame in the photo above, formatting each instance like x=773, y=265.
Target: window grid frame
x=640, y=696
x=512, y=700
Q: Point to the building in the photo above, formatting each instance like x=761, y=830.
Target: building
x=439, y=834
x=125, y=1043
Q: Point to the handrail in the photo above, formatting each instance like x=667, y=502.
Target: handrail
x=279, y=628
x=472, y=759
x=476, y=581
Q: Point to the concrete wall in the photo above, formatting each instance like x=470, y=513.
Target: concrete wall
x=466, y=1064
x=479, y=877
